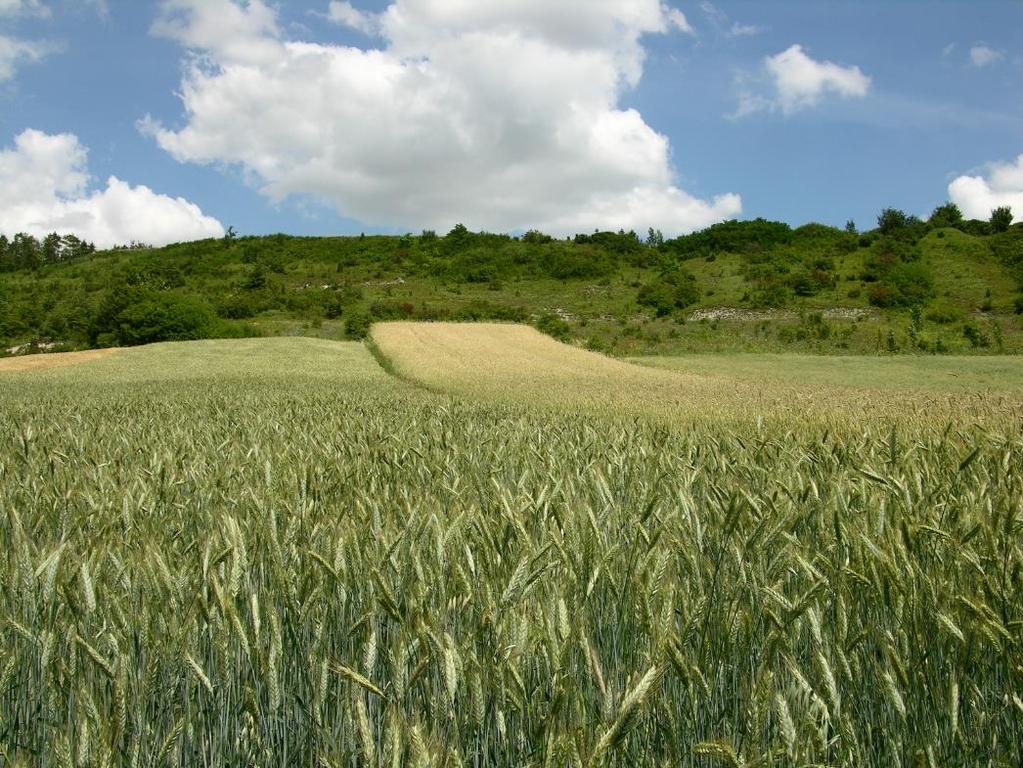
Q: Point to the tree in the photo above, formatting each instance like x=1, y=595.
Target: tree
x=1001, y=219
x=947, y=215
x=52, y=247
x=654, y=238
x=891, y=219
x=850, y=227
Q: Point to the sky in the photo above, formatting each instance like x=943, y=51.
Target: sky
x=126, y=120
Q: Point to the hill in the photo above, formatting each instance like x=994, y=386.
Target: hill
x=752, y=286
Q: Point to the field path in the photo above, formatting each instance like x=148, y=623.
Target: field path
x=53, y=360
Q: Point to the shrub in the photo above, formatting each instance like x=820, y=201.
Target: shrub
x=536, y=237
x=357, y=326
x=975, y=336
x=947, y=215
x=674, y=289
x=554, y=326
x=1001, y=219
x=164, y=317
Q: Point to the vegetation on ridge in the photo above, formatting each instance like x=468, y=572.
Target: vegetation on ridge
x=945, y=285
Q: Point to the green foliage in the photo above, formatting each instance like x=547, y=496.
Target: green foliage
x=555, y=326
x=733, y=236
x=899, y=277
x=150, y=317
x=26, y=252
x=280, y=284
x=536, y=237
x=1008, y=247
x=673, y=290
x=890, y=220
x=976, y=337
x=947, y=215
x=976, y=227
x=1001, y=219
x=357, y=325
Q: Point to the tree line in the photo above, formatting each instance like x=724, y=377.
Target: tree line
x=27, y=252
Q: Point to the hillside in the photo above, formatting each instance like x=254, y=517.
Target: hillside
x=738, y=286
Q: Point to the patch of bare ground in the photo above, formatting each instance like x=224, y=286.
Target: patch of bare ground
x=750, y=315
x=54, y=360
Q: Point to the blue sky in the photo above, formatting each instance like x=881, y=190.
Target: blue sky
x=883, y=104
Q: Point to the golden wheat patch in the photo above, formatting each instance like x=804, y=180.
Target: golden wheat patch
x=54, y=360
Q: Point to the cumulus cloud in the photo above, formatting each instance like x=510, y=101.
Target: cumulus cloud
x=984, y=56
x=796, y=81
x=978, y=195
x=44, y=188
x=501, y=115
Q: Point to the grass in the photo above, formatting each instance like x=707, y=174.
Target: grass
x=995, y=374
x=274, y=553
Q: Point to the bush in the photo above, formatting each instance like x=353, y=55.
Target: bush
x=947, y=215
x=944, y=314
x=1001, y=219
x=892, y=219
x=536, y=237
x=976, y=227
x=675, y=289
x=357, y=326
x=554, y=326
x=975, y=336
x=164, y=317
x=882, y=295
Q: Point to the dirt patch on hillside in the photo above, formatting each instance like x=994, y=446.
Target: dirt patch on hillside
x=755, y=316
x=55, y=360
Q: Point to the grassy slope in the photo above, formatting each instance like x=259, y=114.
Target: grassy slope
x=924, y=374
x=376, y=275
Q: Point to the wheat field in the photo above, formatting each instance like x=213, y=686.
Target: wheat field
x=272, y=552
x=516, y=364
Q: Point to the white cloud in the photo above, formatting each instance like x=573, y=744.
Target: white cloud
x=977, y=196
x=44, y=188
x=678, y=20
x=14, y=53
x=226, y=31
x=343, y=12
x=500, y=115
x=801, y=82
x=984, y=56
x=724, y=24
x=26, y=7
x=744, y=30
x=797, y=81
